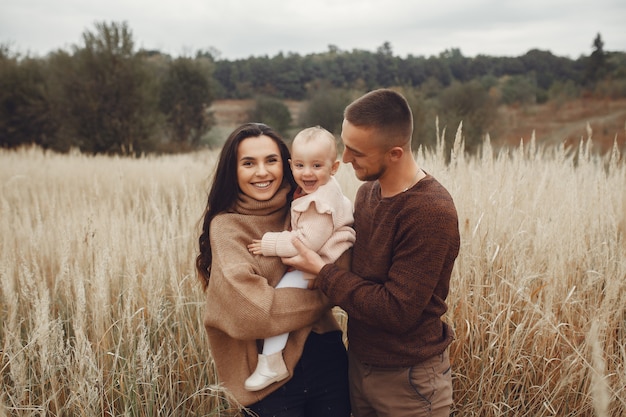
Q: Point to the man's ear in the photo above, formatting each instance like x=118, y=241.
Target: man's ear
x=335, y=167
x=396, y=153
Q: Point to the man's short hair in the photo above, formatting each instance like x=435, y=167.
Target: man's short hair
x=386, y=111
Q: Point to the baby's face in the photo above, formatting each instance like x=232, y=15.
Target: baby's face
x=312, y=164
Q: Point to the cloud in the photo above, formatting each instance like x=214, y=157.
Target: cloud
x=243, y=28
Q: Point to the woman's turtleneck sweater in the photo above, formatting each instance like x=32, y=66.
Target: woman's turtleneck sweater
x=242, y=304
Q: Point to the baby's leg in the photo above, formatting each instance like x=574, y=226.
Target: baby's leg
x=292, y=279
x=271, y=366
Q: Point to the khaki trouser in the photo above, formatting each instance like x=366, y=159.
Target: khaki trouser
x=424, y=389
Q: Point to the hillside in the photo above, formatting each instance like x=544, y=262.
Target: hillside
x=567, y=123
x=552, y=122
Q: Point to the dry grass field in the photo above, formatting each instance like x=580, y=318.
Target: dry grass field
x=101, y=312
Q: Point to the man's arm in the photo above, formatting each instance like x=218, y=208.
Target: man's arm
x=306, y=260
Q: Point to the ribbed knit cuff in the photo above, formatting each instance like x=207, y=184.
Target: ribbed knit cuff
x=268, y=244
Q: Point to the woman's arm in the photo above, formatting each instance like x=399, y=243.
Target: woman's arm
x=241, y=299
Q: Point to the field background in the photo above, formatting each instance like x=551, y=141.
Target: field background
x=101, y=311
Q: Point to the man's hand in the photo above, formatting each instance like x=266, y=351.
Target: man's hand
x=306, y=260
x=255, y=247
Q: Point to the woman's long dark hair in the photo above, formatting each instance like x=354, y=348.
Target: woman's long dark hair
x=225, y=189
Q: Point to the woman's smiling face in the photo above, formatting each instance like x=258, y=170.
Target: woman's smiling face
x=259, y=167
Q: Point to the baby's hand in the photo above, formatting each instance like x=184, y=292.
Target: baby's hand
x=255, y=247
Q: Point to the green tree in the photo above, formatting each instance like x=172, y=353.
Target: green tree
x=437, y=69
x=185, y=99
x=412, y=71
x=261, y=75
x=596, y=64
x=288, y=76
x=273, y=112
x=325, y=108
x=457, y=64
x=387, y=66
x=519, y=89
x=26, y=115
x=470, y=103
x=424, y=133
x=109, y=96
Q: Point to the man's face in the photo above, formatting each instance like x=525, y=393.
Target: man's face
x=361, y=149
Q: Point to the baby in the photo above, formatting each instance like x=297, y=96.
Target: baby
x=321, y=217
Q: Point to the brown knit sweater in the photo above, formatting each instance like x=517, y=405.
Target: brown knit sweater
x=402, y=260
x=241, y=303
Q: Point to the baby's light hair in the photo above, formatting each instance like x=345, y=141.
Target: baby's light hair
x=314, y=133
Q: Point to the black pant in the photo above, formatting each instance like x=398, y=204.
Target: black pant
x=319, y=387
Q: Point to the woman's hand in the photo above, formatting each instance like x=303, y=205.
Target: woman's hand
x=255, y=247
x=306, y=260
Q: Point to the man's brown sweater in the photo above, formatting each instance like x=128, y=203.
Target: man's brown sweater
x=402, y=260
x=242, y=304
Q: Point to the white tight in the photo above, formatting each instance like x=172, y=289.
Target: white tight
x=291, y=279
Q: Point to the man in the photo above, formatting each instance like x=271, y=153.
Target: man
x=407, y=240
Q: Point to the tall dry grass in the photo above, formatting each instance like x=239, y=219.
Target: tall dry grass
x=101, y=312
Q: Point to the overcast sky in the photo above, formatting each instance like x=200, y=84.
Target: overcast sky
x=244, y=28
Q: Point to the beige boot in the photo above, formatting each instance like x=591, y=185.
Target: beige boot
x=269, y=369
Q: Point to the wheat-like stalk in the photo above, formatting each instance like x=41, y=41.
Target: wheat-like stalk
x=101, y=311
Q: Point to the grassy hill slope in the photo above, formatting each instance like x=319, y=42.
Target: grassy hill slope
x=563, y=122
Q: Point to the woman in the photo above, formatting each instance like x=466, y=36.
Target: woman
x=250, y=195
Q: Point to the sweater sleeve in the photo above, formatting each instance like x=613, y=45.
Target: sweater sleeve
x=415, y=280
x=240, y=300
x=312, y=228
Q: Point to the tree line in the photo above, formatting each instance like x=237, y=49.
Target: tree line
x=104, y=96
